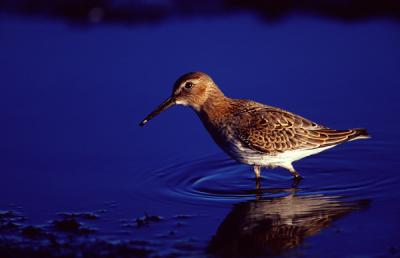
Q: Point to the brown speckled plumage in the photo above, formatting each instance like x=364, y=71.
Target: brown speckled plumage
x=251, y=132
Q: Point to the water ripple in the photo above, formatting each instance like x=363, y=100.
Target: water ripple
x=214, y=179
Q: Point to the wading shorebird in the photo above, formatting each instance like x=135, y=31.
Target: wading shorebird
x=250, y=132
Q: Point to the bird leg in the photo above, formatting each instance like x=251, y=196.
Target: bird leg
x=259, y=192
x=296, y=182
x=257, y=171
x=295, y=174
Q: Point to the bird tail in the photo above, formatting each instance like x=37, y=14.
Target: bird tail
x=359, y=133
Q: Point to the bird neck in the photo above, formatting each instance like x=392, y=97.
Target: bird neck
x=215, y=108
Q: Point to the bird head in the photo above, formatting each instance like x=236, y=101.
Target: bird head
x=192, y=89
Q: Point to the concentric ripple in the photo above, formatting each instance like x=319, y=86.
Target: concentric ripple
x=215, y=179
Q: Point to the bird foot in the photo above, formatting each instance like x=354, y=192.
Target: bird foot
x=297, y=177
x=296, y=181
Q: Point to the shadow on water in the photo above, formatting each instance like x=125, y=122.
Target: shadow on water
x=272, y=226
x=260, y=227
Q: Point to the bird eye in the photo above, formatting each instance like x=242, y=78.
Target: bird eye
x=188, y=85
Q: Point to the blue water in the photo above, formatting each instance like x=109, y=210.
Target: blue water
x=71, y=98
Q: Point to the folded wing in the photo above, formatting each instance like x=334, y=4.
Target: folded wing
x=272, y=130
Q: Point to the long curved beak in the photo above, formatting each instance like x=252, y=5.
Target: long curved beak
x=165, y=105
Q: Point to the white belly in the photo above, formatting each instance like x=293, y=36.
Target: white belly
x=252, y=157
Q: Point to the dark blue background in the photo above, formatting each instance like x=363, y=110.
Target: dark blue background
x=72, y=96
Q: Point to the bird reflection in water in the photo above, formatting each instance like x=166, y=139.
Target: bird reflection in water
x=269, y=227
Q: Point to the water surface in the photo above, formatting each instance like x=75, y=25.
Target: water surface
x=76, y=167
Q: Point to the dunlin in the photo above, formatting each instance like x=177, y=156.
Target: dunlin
x=250, y=132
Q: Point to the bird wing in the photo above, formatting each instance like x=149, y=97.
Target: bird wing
x=272, y=130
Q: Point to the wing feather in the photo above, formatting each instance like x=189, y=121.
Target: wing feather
x=272, y=130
